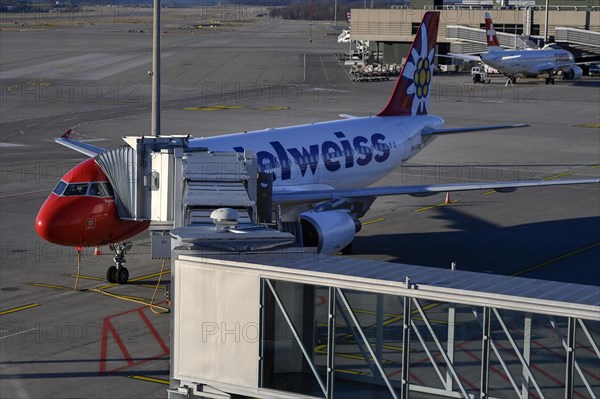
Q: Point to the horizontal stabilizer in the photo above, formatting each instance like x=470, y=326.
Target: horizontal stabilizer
x=456, y=130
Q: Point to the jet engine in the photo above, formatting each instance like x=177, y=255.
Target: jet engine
x=574, y=73
x=329, y=231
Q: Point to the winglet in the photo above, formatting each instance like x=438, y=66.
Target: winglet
x=490, y=34
x=84, y=148
x=413, y=88
x=67, y=134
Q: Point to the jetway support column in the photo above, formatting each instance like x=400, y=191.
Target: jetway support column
x=406, y=323
x=570, y=366
x=485, y=354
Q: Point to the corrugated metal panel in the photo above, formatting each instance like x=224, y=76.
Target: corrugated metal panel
x=120, y=165
x=216, y=194
x=478, y=36
x=577, y=36
x=504, y=292
x=221, y=167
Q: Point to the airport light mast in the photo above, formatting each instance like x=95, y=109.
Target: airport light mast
x=155, y=72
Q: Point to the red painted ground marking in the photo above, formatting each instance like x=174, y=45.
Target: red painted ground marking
x=562, y=355
x=162, y=344
x=412, y=375
x=109, y=327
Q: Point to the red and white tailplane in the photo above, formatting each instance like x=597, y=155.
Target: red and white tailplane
x=413, y=89
x=490, y=34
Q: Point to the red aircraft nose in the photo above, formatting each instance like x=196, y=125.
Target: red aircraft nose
x=54, y=225
x=81, y=211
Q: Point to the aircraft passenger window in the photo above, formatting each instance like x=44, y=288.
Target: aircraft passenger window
x=76, y=189
x=60, y=187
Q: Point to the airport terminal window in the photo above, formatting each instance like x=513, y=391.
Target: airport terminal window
x=415, y=27
x=60, y=187
x=76, y=189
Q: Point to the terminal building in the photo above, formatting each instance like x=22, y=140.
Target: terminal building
x=388, y=33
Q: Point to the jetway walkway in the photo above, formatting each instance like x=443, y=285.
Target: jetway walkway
x=298, y=325
x=582, y=43
x=473, y=40
x=256, y=315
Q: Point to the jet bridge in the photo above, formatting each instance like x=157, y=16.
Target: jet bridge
x=285, y=324
x=468, y=40
x=256, y=315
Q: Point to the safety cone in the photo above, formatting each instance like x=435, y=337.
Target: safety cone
x=447, y=199
x=97, y=251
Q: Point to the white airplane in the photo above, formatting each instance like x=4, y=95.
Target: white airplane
x=525, y=63
x=328, y=166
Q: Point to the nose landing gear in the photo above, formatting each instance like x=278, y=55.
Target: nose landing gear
x=118, y=273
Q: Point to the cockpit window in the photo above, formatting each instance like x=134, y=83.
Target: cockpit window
x=60, y=187
x=76, y=189
x=101, y=189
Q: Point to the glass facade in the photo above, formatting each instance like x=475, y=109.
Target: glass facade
x=336, y=343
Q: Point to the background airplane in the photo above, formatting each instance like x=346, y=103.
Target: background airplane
x=550, y=60
x=325, y=167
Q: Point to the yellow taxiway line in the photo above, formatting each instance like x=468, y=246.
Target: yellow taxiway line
x=149, y=379
x=13, y=310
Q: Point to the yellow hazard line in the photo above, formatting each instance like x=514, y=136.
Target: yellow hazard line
x=153, y=286
x=435, y=206
x=85, y=277
x=149, y=379
x=595, y=167
x=55, y=287
x=271, y=108
x=489, y=192
x=137, y=279
x=373, y=221
x=556, y=259
x=557, y=176
x=13, y=310
x=354, y=372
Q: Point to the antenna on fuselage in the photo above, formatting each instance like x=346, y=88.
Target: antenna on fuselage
x=155, y=72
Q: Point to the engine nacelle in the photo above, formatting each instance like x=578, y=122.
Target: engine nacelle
x=329, y=231
x=574, y=73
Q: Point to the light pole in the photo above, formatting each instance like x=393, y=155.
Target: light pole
x=546, y=32
x=155, y=127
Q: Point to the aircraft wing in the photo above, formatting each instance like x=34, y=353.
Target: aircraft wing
x=456, y=130
x=77, y=145
x=468, y=57
x=419, y=190
x=543, y=67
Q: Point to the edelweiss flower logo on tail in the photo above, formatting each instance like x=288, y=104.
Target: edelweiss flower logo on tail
x=411, y=95
x=419, y=69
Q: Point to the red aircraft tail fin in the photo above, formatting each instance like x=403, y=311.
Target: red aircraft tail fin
x=413, y=88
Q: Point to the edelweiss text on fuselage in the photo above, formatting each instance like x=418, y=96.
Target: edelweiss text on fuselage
x=334, y=155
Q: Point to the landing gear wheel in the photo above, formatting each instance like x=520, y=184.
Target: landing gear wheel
x=118, y=273
x=513, y=80
x=122, y=275
x=111, y=274
x=551, y=80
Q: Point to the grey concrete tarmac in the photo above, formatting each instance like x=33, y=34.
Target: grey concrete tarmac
x=61, y=343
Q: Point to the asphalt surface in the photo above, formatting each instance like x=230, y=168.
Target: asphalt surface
x=93, y=76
